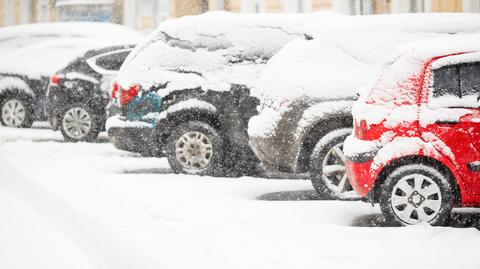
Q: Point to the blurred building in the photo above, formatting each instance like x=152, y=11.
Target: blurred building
x=147, y=14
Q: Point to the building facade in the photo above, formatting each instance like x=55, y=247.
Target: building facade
x=145, y=15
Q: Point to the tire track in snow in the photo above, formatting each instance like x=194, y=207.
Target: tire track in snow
x=105, y=246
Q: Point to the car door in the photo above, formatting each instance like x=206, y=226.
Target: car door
x=452, y=115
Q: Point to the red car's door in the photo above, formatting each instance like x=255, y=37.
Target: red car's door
x=452, y=114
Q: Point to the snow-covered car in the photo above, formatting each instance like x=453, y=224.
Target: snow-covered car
x=30, y=54
x=78, y=95
x=185, y=91
x=308, y=88
x=417, y=133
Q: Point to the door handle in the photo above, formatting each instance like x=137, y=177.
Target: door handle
x=446, y=122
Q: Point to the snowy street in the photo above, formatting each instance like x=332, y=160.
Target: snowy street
x=80, y=205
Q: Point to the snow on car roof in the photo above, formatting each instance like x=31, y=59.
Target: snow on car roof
x=45, y=58
x=13, y=37
x=212, y=50
x=350, y=51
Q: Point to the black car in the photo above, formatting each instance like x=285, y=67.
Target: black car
x=185, y=92
x=31, y=53
x=78, y=95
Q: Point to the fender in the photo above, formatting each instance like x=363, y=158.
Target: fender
x=198, y=106
x=401, y=147
x=11, y=84
x=315, y=114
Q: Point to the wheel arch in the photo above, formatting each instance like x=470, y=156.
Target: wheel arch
x=318, y=130
x=15, y=86
x=165, y=125
x=444, y=166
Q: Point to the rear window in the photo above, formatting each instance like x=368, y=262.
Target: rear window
x=112, y=62
x=455, y=86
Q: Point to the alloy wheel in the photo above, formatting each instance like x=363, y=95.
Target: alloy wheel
x=13, y=113
x=416, y=199
x=77, y=123
x=333, y=172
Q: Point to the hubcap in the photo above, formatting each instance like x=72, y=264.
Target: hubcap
x=13, y=113
x=334, y=173
x=77, y=123
x=416, y=199
x=194, y=151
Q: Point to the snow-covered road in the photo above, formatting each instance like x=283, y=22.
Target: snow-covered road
x=85, y=205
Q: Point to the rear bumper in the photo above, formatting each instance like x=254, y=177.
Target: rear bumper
x=133, y=136
x=359, y=156
x=360, y=177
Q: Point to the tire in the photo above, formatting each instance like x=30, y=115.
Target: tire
x=208, y=150
x=78, y=123
x=16, y=111
x=331, y=182
x=416, y=193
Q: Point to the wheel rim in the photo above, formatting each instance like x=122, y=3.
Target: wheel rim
x=333, y=170
x=13, y=113
x=194, y=151
x=77, y=123
x=416, y=199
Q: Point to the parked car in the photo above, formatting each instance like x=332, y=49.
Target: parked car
x=78, y=95
x=35, y=52
x=186, y=90
x=307, y=90
x=417, y=134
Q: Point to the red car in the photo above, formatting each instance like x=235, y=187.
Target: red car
x=416, y=142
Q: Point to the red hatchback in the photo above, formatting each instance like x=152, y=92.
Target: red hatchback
x=416, y=142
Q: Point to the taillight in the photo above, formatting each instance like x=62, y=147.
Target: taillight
x=127, y=95
x=114, y=92
x=360, y=129
x=56, y=79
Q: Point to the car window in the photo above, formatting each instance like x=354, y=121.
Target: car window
x=456, y=86
x=446, y=82
x=470, y=79
x=112, y=62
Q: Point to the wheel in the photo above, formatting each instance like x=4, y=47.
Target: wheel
x=16, y=112
x=78, y=124
x=414, y=194
x=195, y=148
x=327, y=165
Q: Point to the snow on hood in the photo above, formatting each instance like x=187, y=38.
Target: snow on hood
x=45, y=58
x=14, y=37
x=350, y=51
x=211, y=51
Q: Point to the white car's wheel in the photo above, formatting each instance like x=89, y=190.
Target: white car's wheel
x=414, y=194
x=15, y=113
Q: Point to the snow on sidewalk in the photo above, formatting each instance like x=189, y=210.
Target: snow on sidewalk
x=124, y=211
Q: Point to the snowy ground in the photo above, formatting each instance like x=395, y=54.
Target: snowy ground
x=91, y=206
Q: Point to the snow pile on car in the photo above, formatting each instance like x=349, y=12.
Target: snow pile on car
x=45, y=58
x=399, y=82
x=211, y=51
x=14, y=37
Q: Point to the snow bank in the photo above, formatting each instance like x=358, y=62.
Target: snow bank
x=211, y=51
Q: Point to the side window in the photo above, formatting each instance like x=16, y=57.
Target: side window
x=446, y=82
x=470, y=80
x=112, y=62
